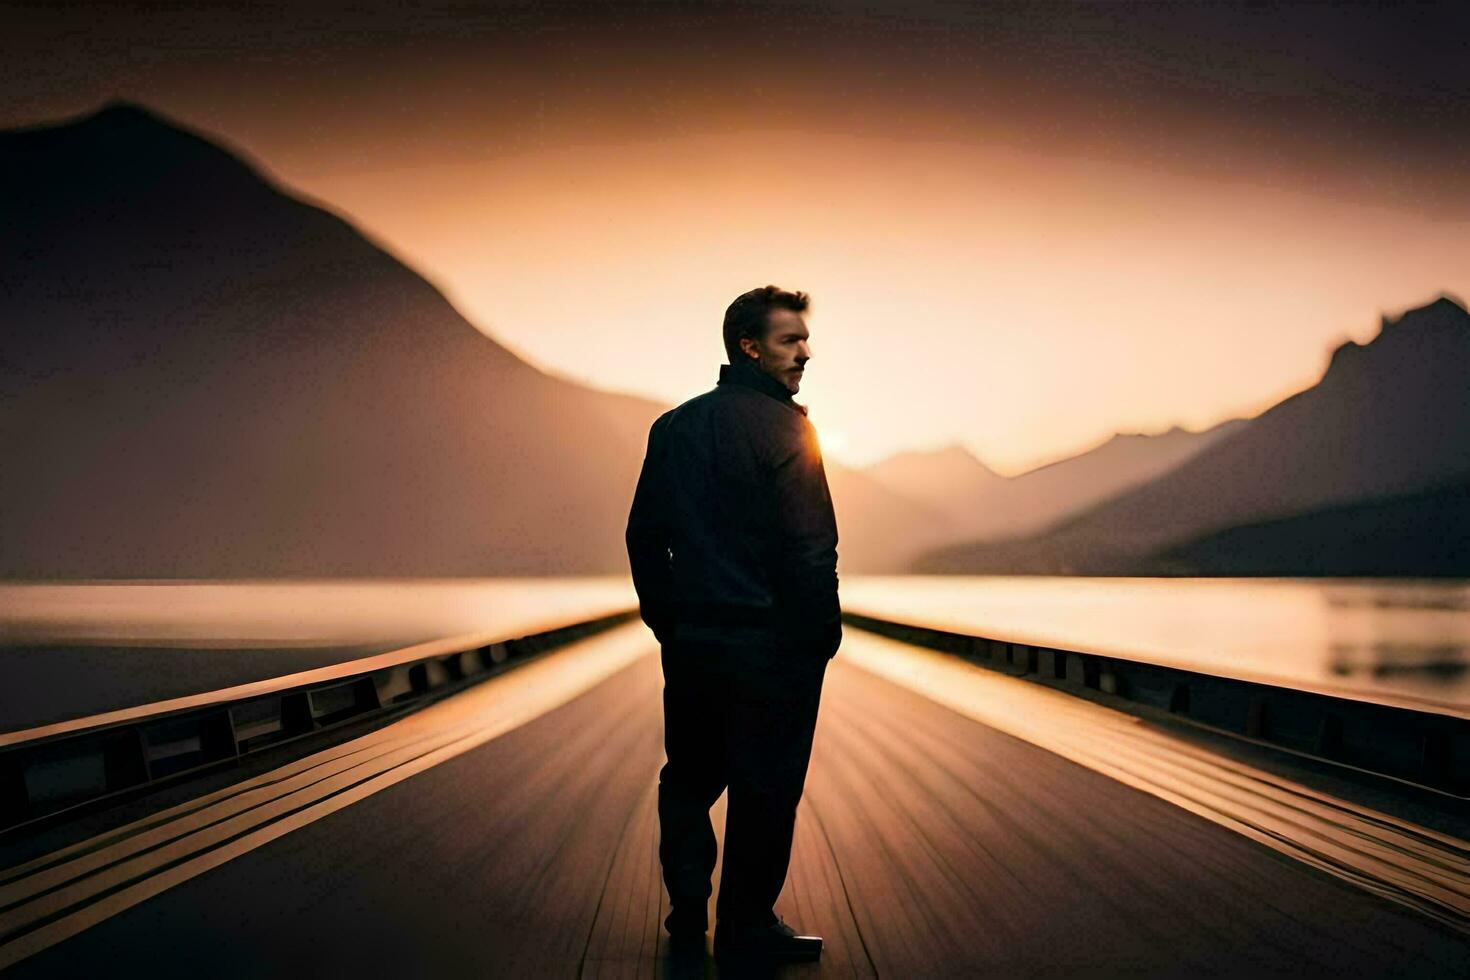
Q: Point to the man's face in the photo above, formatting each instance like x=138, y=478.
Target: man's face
x=784, y=351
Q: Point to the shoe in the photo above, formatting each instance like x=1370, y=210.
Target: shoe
x=777, y=942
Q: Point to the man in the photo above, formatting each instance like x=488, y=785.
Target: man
x=732, y=543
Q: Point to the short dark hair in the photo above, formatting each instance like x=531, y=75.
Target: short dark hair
x=749, y=315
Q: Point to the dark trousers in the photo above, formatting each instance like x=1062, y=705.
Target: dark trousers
x=740, y=709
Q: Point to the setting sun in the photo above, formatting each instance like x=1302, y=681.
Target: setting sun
x=833, y=442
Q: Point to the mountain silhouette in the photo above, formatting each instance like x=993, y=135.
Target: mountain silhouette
x=980, y=504
x=1388, y=419
x=1416, y=535
x=950, y=481
x=205, y=375
x=881, y=531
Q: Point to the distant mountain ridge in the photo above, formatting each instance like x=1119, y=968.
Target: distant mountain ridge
x=1388, y=418
x=948, y=481
x=981, y=504
x=206, y=376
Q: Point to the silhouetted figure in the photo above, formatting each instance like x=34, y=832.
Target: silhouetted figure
x=732, y=542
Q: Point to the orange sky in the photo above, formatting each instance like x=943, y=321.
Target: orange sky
x=1025, y=305
x=1024, y=226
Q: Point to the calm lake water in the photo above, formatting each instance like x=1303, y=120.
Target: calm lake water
x=297, y=614
x=69, y=651
x=1400, y=642
x=1395, y=641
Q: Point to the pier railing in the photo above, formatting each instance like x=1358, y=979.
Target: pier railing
x=1427, y=749
x=51, y=770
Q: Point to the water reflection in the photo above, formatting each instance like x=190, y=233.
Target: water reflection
x=295, y=614
x=1392, y=628
x=1382, y=659
x=1397, y=642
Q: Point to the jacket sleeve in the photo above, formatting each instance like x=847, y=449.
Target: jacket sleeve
x=807, y=530
x=649, y=540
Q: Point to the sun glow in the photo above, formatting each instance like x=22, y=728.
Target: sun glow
x=833, y=442
x=1027, y=306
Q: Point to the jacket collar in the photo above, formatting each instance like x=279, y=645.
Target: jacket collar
x=748, y=375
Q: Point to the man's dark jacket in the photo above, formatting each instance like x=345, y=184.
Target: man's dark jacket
x=732, y=522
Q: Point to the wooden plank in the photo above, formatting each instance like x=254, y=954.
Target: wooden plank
x=927, y=845
x=815, y=901
x=968, y=851
x=625, y=933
